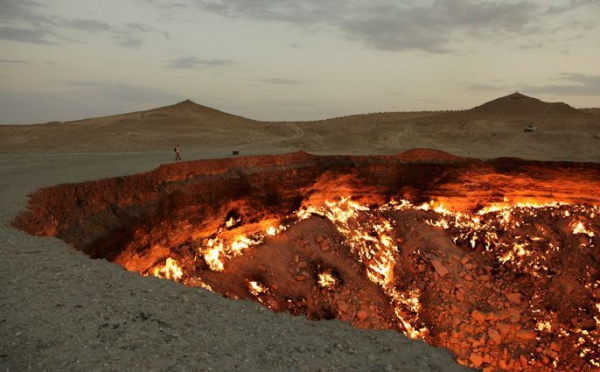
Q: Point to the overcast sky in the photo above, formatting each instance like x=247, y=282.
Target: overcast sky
x=292, y=59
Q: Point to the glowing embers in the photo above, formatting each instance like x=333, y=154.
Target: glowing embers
x=257, y=288
x=226, y=244
x=555, y=245
x=520, y=251
x=525, y=235
x=170, y=270
x=580, y=228
x=367, y=231
x=212, y=254
x=327, y=279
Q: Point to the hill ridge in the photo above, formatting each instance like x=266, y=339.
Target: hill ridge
x=518, y=104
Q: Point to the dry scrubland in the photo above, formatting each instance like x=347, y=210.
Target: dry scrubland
x=494, y=129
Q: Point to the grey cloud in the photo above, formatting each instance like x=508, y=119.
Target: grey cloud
x=167, y=4
x=24, y=21
x=12, y=61
x=132, y=36
x=171, y=10
x=578, y=3
x=388, y=25
x=138, y=27
x=298, y=12
x=195, y=63
x=21, y=10
x=431, y=28
x=278, y=81
x=388, y=34
x=571, y=6
x=129, y=41
x=27, y=21
x=27, y=35
x=576, y=85
x=513, y=16
x=90, y=25
x=21, y=20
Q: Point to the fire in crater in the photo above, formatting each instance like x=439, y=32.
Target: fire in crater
x=497, y=261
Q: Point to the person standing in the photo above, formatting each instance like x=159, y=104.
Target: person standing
x=177, y=154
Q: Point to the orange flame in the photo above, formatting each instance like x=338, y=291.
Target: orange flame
x=170, y=270
x=326, y=279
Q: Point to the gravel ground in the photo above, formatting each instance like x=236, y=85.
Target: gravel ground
x=60, y=310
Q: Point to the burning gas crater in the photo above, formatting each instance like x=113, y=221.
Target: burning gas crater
x=522, y=247
x=500, y=263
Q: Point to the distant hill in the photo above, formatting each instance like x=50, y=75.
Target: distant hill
x=518, y=104
x=493, y=129
x=186, y=123
x=182, y=109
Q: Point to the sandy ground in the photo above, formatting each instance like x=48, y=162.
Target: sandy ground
x=60, y=310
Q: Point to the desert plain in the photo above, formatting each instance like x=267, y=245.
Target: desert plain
x=61, y=310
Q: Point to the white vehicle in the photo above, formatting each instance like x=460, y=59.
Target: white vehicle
x=530, y=128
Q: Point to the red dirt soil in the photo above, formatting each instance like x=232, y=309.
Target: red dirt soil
x=514, y=287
